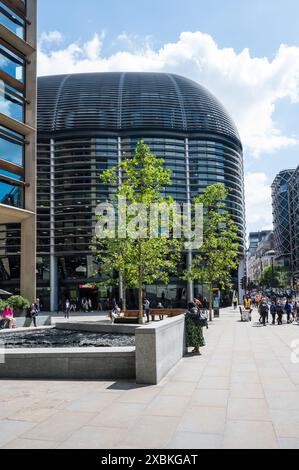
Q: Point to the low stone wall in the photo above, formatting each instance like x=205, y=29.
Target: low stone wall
x=159, y=347
x=98, y=327
x=69, y=364
x=24, y=322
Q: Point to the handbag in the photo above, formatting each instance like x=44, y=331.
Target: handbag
x=200, y=318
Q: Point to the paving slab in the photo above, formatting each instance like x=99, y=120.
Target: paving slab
x=243, y=392
x=249, y=435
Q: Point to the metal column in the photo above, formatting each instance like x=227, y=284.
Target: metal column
x=53, y=259
x=119, y=148
x=190, y=284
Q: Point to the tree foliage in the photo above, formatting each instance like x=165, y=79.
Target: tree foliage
x=142, y=260
x=217, y=257
x=278, y=277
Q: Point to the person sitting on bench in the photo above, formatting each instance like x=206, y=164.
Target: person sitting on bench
x=8, y=316
x=115, y=313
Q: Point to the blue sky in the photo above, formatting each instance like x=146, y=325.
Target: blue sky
x=260, y=87
x=261, y=25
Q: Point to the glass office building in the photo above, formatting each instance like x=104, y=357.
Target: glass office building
x=294, y=224
x=86, y=124
x=18, y=146
x=281, y=217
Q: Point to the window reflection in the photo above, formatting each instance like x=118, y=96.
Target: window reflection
x=11, y=195
x=11, y=151
x=11, y=64
x=12, y=22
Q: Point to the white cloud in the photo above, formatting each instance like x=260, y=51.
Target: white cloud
x=134, y=43
x=249, y=87
x=258, y=201
x=51, y=37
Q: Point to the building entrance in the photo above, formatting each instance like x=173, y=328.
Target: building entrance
x=89, y=292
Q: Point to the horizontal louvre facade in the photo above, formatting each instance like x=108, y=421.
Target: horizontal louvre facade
x=88, y=122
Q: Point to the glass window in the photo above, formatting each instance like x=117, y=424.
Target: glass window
x=9, y=267
x=12, y=22
x=11, y=103
x=10, y=175
x=11, y=64
x=11, y=195
x=11, y=151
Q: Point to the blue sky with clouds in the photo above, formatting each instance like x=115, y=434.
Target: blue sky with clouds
x=246, y=52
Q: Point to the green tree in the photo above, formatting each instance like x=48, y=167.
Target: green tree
x=276, y=277
x=140, y=260
x=218, y=255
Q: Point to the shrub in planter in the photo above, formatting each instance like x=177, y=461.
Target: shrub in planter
x=18, y=304
x=3, y=304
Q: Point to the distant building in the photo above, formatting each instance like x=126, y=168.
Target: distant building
x=281, y=220
x=294, y=224
x=262, y=257
x=87, y=123
x=255, y=238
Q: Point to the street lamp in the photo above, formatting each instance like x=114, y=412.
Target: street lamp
x=271, y=253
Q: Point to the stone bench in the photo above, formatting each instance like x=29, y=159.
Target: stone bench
x=156, y=312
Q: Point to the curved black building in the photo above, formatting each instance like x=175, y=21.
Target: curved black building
x=86, y=123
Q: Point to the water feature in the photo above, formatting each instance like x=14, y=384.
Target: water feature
x=56, y=338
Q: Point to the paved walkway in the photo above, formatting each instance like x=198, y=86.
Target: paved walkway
x=242, y=393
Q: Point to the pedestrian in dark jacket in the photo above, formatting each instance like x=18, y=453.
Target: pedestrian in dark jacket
x=288, y=310
x=279, y=312
x=273, y=312
x=194, y=334
x=264, y=311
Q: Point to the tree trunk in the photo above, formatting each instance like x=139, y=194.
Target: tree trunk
x=140, y=297
x=140, y=286
x=124, y=300
x=211, y=301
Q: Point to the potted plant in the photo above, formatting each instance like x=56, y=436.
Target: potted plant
x=3, y=304
x=19, y=304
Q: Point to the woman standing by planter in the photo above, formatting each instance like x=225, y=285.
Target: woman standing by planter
x=194, y=334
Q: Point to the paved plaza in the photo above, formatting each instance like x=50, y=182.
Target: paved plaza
x=242, y=393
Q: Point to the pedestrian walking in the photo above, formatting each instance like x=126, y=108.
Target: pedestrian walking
x=194, y=334
x=67, y=309
x=279, y=312
x=235, y=302
x=273, y=311
x=288, y=309
x=160, y=307
x=247, y=302
x=34, y=314
x=146, y=307
x=264, y=311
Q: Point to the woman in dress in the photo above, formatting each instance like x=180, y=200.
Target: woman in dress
x=194, y=334
x=8, y=316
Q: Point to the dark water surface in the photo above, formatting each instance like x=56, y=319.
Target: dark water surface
x=53, y=338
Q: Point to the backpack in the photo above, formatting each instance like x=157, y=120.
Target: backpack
x=279, y=309
x=264, y=308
